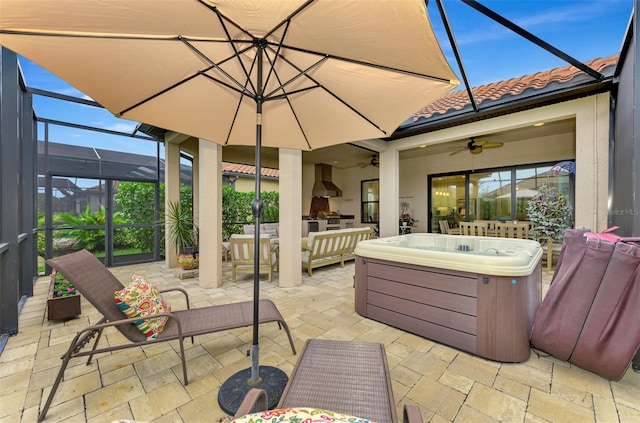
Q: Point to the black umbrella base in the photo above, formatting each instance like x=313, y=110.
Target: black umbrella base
x=234, y=389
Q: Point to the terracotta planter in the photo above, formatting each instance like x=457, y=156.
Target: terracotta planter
x=61, y=308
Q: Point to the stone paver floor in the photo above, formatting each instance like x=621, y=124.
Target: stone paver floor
x=145, y=383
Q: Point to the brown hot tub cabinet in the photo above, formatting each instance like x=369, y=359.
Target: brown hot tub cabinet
x=487, y=315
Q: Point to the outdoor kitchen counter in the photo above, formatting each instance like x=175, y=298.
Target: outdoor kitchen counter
x=481, y=303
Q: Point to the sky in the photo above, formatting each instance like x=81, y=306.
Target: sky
x=583, y=29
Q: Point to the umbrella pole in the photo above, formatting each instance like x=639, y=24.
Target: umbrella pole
x=271, y=379
x=256, y=208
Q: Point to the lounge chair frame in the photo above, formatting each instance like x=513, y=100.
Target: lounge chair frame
x=97, y=284
x=340, y=376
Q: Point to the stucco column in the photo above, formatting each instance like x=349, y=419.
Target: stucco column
x=195, y=175
x=210, y=213
x=290, y=224
x=171, y=192
x=389, y=192
x=592, y=159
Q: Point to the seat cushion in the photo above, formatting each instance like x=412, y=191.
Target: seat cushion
x=139, y=299
x=271, y=232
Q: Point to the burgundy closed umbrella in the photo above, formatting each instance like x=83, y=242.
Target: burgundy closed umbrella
x=273, y=73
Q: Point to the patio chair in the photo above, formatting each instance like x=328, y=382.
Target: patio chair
x=225, y=251
x=97, y=284
x=444, y=226
x=340, y=376
x=512, y=230
x=473, y=228
x=241, y=251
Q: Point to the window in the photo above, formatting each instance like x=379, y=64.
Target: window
x=447, y=200
x=370, y=201
x=492, y=194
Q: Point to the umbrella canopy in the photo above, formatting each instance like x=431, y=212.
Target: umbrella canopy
x=278, y=73
x=332, y=71
x=521, y=193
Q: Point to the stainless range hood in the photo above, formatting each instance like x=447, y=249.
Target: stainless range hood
x=323, y=186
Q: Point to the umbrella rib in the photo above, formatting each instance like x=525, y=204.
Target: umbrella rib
x=300, y=74
x=222, y=18
x=288, y=18
x=368, y=64
x=89, y=35
x=235, y=115
x=217, y=66
x=287, y=99
x=242, y=90
x=275, y=59
x=157, y=94
x=331, y=93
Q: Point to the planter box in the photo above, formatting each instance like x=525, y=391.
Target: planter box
x=61, y=308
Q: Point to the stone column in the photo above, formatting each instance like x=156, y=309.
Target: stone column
x=592, y=162
x=389, y=192
x=210, y=213
x=290, y=227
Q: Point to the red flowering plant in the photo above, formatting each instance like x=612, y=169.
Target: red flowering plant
x=62, y=287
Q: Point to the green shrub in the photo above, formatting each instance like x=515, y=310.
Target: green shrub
x=236, y=209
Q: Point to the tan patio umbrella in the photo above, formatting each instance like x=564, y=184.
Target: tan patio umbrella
x=276, y=73
x=521, y=193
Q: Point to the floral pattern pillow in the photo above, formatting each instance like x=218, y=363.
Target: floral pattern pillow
x=299, y=415
x=139, y=299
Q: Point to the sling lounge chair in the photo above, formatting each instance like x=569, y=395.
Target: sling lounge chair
x=344, y=377
x=97, y=284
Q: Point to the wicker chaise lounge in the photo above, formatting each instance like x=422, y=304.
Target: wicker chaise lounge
x=97, y=284
x=344, y=377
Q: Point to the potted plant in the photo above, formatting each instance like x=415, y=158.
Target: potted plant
x=550, y=214
x=406, y=220
x=63, y=301
x=182, y=233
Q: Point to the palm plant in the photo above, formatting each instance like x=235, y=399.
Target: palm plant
x=181, y=229
x=92, y=236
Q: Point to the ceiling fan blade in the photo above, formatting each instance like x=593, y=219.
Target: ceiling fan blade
x=478, y=143
x=458, y=151
x=476, y=150
x=493, y=145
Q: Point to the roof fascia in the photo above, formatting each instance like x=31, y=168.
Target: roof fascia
x=499, y=108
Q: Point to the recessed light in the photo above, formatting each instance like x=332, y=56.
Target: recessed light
x=423, y=145
x=538, y=124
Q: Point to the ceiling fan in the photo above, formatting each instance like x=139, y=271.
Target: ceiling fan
x=476, y=147
x=373, y=162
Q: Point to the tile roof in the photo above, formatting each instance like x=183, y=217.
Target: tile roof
x=521, y=86
x=248, y=170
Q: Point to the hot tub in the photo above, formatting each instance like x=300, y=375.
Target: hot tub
x=477, y=294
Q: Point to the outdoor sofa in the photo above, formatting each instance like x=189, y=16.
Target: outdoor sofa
x=330, y=247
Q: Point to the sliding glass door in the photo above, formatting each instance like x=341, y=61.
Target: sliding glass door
x=493, y=194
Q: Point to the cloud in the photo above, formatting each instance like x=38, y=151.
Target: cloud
x=569, y=13
x=576, y=12
x=126, y=127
